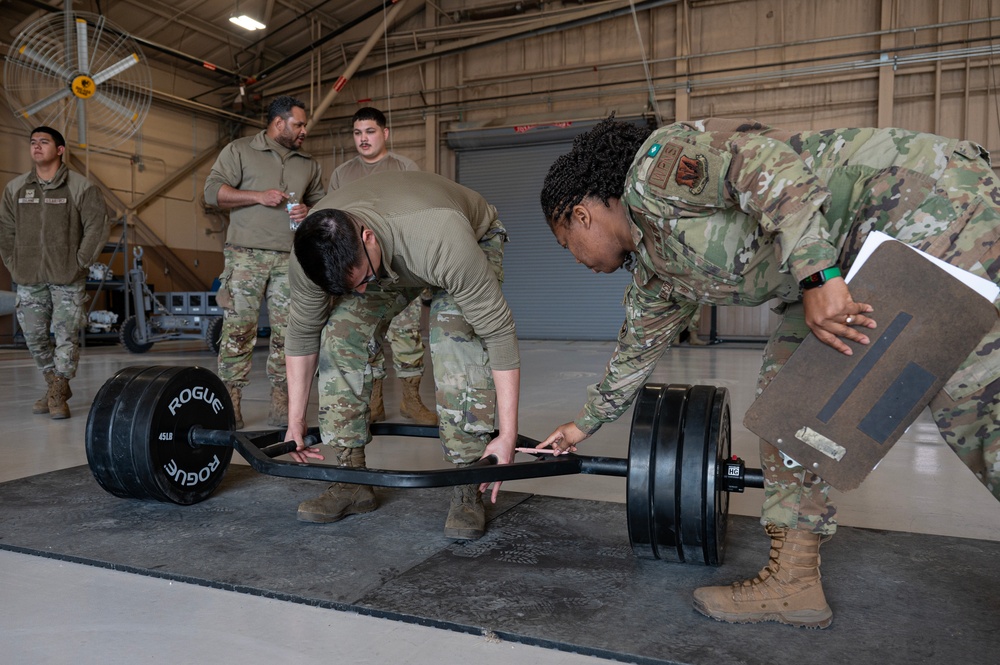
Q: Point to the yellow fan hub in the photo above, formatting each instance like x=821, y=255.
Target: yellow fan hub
x=83, y=86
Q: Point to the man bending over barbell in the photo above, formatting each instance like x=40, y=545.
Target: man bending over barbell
x=374, y=245
x=737, y=213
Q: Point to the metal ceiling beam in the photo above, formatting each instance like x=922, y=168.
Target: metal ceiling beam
x=542, y=26
x=157, y=190
x=355, y=63
x=180, y=271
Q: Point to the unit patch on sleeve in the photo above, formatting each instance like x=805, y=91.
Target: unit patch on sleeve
x=693, y=173
x=690, y=173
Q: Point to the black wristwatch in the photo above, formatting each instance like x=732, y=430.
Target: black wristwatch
x=820, y=278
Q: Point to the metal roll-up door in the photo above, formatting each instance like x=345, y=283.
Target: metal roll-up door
x=551, y=295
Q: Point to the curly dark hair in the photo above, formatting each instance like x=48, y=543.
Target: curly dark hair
x=281, y=107
x=328, y=246
x=596, y=166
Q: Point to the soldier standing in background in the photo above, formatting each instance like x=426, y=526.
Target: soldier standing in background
x=403, y=332
x=53, y=225
x=737, y=213
x=254, y=177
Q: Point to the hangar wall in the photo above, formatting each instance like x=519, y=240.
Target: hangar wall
x=922, y=64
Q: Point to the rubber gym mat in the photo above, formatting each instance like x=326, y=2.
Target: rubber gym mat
x=551, y=572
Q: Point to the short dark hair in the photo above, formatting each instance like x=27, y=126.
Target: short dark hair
x=281, y=107
x=57, y=138
x=596, y=166
x=369, y=113
x=328, y=246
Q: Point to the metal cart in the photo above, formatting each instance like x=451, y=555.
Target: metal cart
x=164, y=316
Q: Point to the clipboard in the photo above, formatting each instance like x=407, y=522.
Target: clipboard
x=839, y=415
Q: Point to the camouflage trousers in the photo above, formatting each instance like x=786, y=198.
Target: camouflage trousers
x=464, y=388
x=251, y=275
x=403, y=335
x=958, y=223
x=59, y=307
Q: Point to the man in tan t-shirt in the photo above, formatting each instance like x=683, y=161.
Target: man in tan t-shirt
x=403, y=332
x=374, y=245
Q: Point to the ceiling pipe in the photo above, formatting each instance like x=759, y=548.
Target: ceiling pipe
x=267, y=71
x=512, y=35
x=355, y=63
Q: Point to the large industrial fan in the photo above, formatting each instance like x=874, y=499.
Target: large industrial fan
x=77, y=73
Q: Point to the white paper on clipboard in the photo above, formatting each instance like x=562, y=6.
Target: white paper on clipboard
x=983, y=287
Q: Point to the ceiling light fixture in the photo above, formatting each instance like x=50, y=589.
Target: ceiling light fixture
x=246, y=22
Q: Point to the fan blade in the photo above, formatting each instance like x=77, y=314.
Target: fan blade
x=115, y=106
x=51, y=99
x=81, y=124
x=82, y=58
x=116, y=69
x=45, y=62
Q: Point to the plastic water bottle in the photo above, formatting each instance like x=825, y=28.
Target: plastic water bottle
x=291, y=203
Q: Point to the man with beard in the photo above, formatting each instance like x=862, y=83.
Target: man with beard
x=255, y=177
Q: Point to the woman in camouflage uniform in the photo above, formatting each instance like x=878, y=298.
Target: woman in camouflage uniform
x=729, y=213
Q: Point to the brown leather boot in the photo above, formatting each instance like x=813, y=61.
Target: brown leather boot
x=58, y=394
x=412, y=407
x=277, y=415
x=466, y=515
x=375, y=404
x=340, y=499
x=235, y=394
x=42, y=404
x=787, y=590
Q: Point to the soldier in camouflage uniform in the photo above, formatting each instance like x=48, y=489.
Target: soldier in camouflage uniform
x=255, y=176
x=53, y=225
x=403, y=331
x=374, y=245
x=728, y=213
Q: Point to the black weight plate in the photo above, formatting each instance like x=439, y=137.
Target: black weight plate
x=172, y=403
x=694, y=467
x=98, y=433
x=129, y=406
x=720, y=447
x=664, y=492
x=641, y=462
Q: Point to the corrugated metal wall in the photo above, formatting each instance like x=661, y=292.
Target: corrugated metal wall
x=552, y=296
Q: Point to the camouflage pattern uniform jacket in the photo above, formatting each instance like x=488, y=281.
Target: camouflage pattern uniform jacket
x=51, y=232
x=730, y=213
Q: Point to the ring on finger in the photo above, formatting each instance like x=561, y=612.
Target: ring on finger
x=849, y=319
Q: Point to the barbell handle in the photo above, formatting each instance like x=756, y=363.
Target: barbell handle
x=285, y=447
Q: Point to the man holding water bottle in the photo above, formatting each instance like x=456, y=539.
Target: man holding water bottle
x=268, y=184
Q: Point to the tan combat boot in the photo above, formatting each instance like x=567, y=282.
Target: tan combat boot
x=235, y=393
x=42, y=405
x=58, y=394
x=340, y=499
x=787, y=590
x=466, y=515
x=277, y=415
x=412, y=407
x=694, y=340
x=375, y=404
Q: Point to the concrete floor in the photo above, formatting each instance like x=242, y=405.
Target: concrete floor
x=59, y=612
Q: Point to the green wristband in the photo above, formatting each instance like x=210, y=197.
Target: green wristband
x=820, y=278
